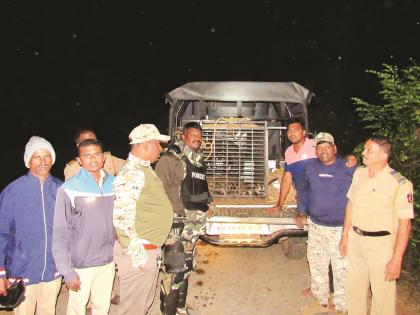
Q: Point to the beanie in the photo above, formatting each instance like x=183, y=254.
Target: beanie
x=36, y=143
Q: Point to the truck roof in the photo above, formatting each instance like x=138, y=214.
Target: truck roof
x=245, y=91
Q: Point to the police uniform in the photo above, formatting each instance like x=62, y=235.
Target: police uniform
x=378, y=203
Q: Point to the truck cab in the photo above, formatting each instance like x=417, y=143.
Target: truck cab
x=244, y=140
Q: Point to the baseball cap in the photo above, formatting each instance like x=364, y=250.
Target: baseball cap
x=146, y=132
x=324, y=137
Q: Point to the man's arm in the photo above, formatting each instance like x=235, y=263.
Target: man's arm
x=303, y=189
x=71, y=169
x=286, y=183
x=117, y=163
x=126, y=188
x=346, y=228
x=351, y=160
x=163, y=171
x=62, y=238
x=393, y=268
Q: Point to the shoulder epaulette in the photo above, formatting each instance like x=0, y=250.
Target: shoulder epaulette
x=398, y=177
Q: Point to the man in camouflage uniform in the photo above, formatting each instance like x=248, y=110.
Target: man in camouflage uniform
x=324, y=183
x=183, y=173
x=142, y=218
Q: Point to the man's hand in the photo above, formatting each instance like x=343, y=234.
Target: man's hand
x=351, y=160
x=274, y=209
x=211, y=212
x=300, y=220
x=393, y=270
x=343, y=245
x=4, y=284
x=74, y=285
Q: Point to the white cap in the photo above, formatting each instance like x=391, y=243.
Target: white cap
x=36, y=143
x=146, y=132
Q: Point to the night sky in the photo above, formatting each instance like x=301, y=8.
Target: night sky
x=107, y=64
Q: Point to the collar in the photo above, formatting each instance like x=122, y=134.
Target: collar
x=194, y=157
x=136, y=160
x=101, y=178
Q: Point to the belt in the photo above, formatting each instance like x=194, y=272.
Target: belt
x=149, y=246
x=365, y=233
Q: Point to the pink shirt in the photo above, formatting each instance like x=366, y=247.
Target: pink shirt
x=307, y=151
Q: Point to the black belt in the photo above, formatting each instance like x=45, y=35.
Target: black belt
x=365, y=233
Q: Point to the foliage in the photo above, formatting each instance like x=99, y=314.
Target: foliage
x=398, y=117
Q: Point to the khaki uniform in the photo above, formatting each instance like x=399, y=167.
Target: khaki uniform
x=377, y=204
x=112, y=165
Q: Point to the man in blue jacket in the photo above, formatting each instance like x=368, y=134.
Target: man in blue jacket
x=27, y=214
x=83, y=234
x=325, y=182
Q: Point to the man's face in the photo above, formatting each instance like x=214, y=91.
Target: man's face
x=154, y=150
x=295, y=133
x=193, y=138
x=40, y=163
x=373, y=154
x=91, y=158
x=85, y=136
x=326, y=153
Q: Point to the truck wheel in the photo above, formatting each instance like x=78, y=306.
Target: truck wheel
x=294, y=247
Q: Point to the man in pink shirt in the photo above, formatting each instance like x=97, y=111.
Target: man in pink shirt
x=296, y=155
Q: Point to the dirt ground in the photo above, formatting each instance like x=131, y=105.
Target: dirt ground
x=249, y=281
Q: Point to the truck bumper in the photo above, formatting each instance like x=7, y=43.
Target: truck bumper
x=252, y=240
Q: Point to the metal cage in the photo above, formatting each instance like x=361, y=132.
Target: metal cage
x=236, y=155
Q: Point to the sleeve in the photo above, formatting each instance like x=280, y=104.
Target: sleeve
x=6, y=216
x=164, y=173
x=127, y=188
x=62, y=236
x=350, y=192
x=302, y=190
x=404, y=201
x=118, y=164
x=286, y=167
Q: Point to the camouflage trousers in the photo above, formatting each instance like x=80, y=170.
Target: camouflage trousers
x=323, y=242
x=194, y=226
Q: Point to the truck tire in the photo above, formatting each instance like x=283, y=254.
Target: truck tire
x=294, y=247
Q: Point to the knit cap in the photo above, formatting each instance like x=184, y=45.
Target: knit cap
x=36, y=143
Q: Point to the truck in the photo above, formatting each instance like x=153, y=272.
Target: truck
x=244, y=139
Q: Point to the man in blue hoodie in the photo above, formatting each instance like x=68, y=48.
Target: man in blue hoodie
x=83, y=234
x=27, y=214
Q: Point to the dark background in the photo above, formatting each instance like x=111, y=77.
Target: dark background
x=107, y=64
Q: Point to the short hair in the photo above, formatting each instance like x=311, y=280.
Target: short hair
x=80, y=131
x=89, y=142
x=384, y=143
x=192, y=125
x=296, y=120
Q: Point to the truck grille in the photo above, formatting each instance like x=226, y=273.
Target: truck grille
x=236, y=153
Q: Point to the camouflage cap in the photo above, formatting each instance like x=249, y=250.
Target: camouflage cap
x=324, y=137
x=146, y=132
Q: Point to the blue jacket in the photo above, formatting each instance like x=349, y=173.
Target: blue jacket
x=84, y=234
x=26, y=221
x=325, y=186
